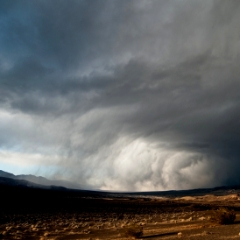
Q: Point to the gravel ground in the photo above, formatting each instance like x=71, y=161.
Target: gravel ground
x=96, y=218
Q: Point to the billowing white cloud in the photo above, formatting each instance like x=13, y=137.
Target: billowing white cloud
x=121, y=95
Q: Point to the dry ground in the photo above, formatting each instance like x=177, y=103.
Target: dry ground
x=161, y=218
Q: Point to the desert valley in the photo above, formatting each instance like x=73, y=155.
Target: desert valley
x=55, y=213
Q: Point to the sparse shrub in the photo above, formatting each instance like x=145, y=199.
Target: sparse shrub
x=134, y=231
x=223, y=216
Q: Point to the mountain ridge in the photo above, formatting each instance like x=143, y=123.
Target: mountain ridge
x=44, y=183
x=39, y=180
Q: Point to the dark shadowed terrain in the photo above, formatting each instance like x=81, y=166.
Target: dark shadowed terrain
x=31, y=211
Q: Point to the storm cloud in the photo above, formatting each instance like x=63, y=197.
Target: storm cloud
x=121, y=95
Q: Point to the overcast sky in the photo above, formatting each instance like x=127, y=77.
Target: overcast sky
x=132, y=95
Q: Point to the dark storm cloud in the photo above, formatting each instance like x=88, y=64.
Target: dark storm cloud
x=133, y=95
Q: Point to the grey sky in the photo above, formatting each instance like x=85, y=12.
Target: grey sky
x=124, y=95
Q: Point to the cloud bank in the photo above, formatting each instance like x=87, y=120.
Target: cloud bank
x=121, y=95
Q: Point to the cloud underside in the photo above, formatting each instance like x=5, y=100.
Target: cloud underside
x=139, y=95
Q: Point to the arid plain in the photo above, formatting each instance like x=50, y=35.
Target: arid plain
x=57, y=214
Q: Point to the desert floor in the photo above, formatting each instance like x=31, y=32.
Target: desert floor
x=107, y=218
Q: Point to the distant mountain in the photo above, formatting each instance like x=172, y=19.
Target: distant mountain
x=47, y=182
x=6, y=174
x=42, y=181
x=19, y=183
